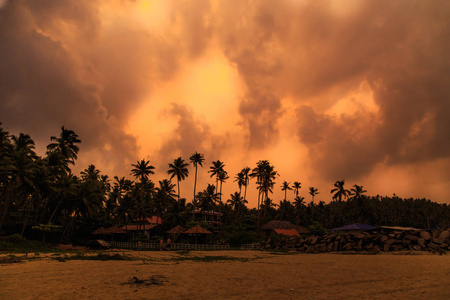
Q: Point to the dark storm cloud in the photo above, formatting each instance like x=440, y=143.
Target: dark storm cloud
x=308, y=51
x=191, y=134
x=60, y=65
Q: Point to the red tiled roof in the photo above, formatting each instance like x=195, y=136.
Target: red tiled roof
x=101, y=230
x=135, y=227
x=149, y=220
x=198, y=229
x=115, y=229
x=177, y=229
x=288, y=232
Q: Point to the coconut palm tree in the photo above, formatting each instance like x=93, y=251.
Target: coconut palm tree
x=245, y=172
x=216, y=169
x=297, y=185
x=265, y=175
x=208, y=198
x=339, y=190
x=222, y=177
x=66, y=145
x=240, y=179
x=357, y=192
x=142, y=169
x=179, y=169
x=196, y=159
x=164, y=196
x=90, y=173
x=313, y=192
x=20, y=172
x=285, y=187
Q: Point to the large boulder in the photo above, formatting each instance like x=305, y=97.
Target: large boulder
x=444, y=236
x=425, y=235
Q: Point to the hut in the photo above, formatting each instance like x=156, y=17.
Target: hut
x=199, y=233
x=176, y=232
x=283, y=228
x=354, y=227
x=144, y=225
x=100, y=231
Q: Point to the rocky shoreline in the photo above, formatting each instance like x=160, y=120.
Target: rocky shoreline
x=374, y=241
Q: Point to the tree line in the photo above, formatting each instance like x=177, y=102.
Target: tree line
x=41, y=194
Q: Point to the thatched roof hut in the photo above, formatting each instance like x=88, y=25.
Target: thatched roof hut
x=101, y=230
x=116, y=229
x=275, y=224
x=176, y=230
x=197, y=229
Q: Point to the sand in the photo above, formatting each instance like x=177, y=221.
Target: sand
x=250, y=275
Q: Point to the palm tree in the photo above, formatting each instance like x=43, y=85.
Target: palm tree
x=222, y=177
x=208, y=197
x=215, y=170
x=164, y=196
x=240, y=179
x=196, y=159
x=285, y=187
x=297, y=185
x=20, y=171
x=313, y=192
x=236, y=202
x=339, y=190
x=65, y=144
x=91, y=173
x=142, y=169
x=299, y=206
x=357, y=192
x=178, y=169
x=265, y=176
x=245, y=172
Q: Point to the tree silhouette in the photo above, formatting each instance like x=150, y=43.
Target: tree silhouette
x=339, y=190
x=216, y=169
x=297, y=185
x=179, y=169
x=142, y=169
x=196, y=159
x=65, y=145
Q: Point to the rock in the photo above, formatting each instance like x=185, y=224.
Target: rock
x=391, y=241
x=416, y=247
x=386, y=247
x=348, y=247
x=376, y=248
x=411, y=237
x=421, y=242
x=322, y=247
x=336, y=245
x=384, y=238
x=425, y=235
x=397, y=247
x=445, y=235
x=358, y=235
x=330, y=247
x=436, y=247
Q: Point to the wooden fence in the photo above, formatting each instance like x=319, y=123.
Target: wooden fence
x=253, y=246
x=174, y=246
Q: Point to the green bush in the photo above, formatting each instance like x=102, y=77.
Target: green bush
x=317, y=229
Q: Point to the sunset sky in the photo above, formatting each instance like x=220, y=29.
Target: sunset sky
x=324, y=90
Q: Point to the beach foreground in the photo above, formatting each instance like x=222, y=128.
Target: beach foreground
x=228, y=274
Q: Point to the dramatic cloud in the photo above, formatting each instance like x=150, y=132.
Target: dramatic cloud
x=326, y=90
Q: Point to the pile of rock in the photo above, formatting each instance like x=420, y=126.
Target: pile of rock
x=436, y=240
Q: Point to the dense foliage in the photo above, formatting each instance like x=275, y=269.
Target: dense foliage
x=41, y=197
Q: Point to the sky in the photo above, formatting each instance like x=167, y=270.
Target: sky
x=325, y=90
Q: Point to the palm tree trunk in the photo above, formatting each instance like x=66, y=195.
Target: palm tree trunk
x=178, y=185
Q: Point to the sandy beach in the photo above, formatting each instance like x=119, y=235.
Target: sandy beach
x=229, y=275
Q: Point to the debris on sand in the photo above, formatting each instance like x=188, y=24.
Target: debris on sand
x=153, y=280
